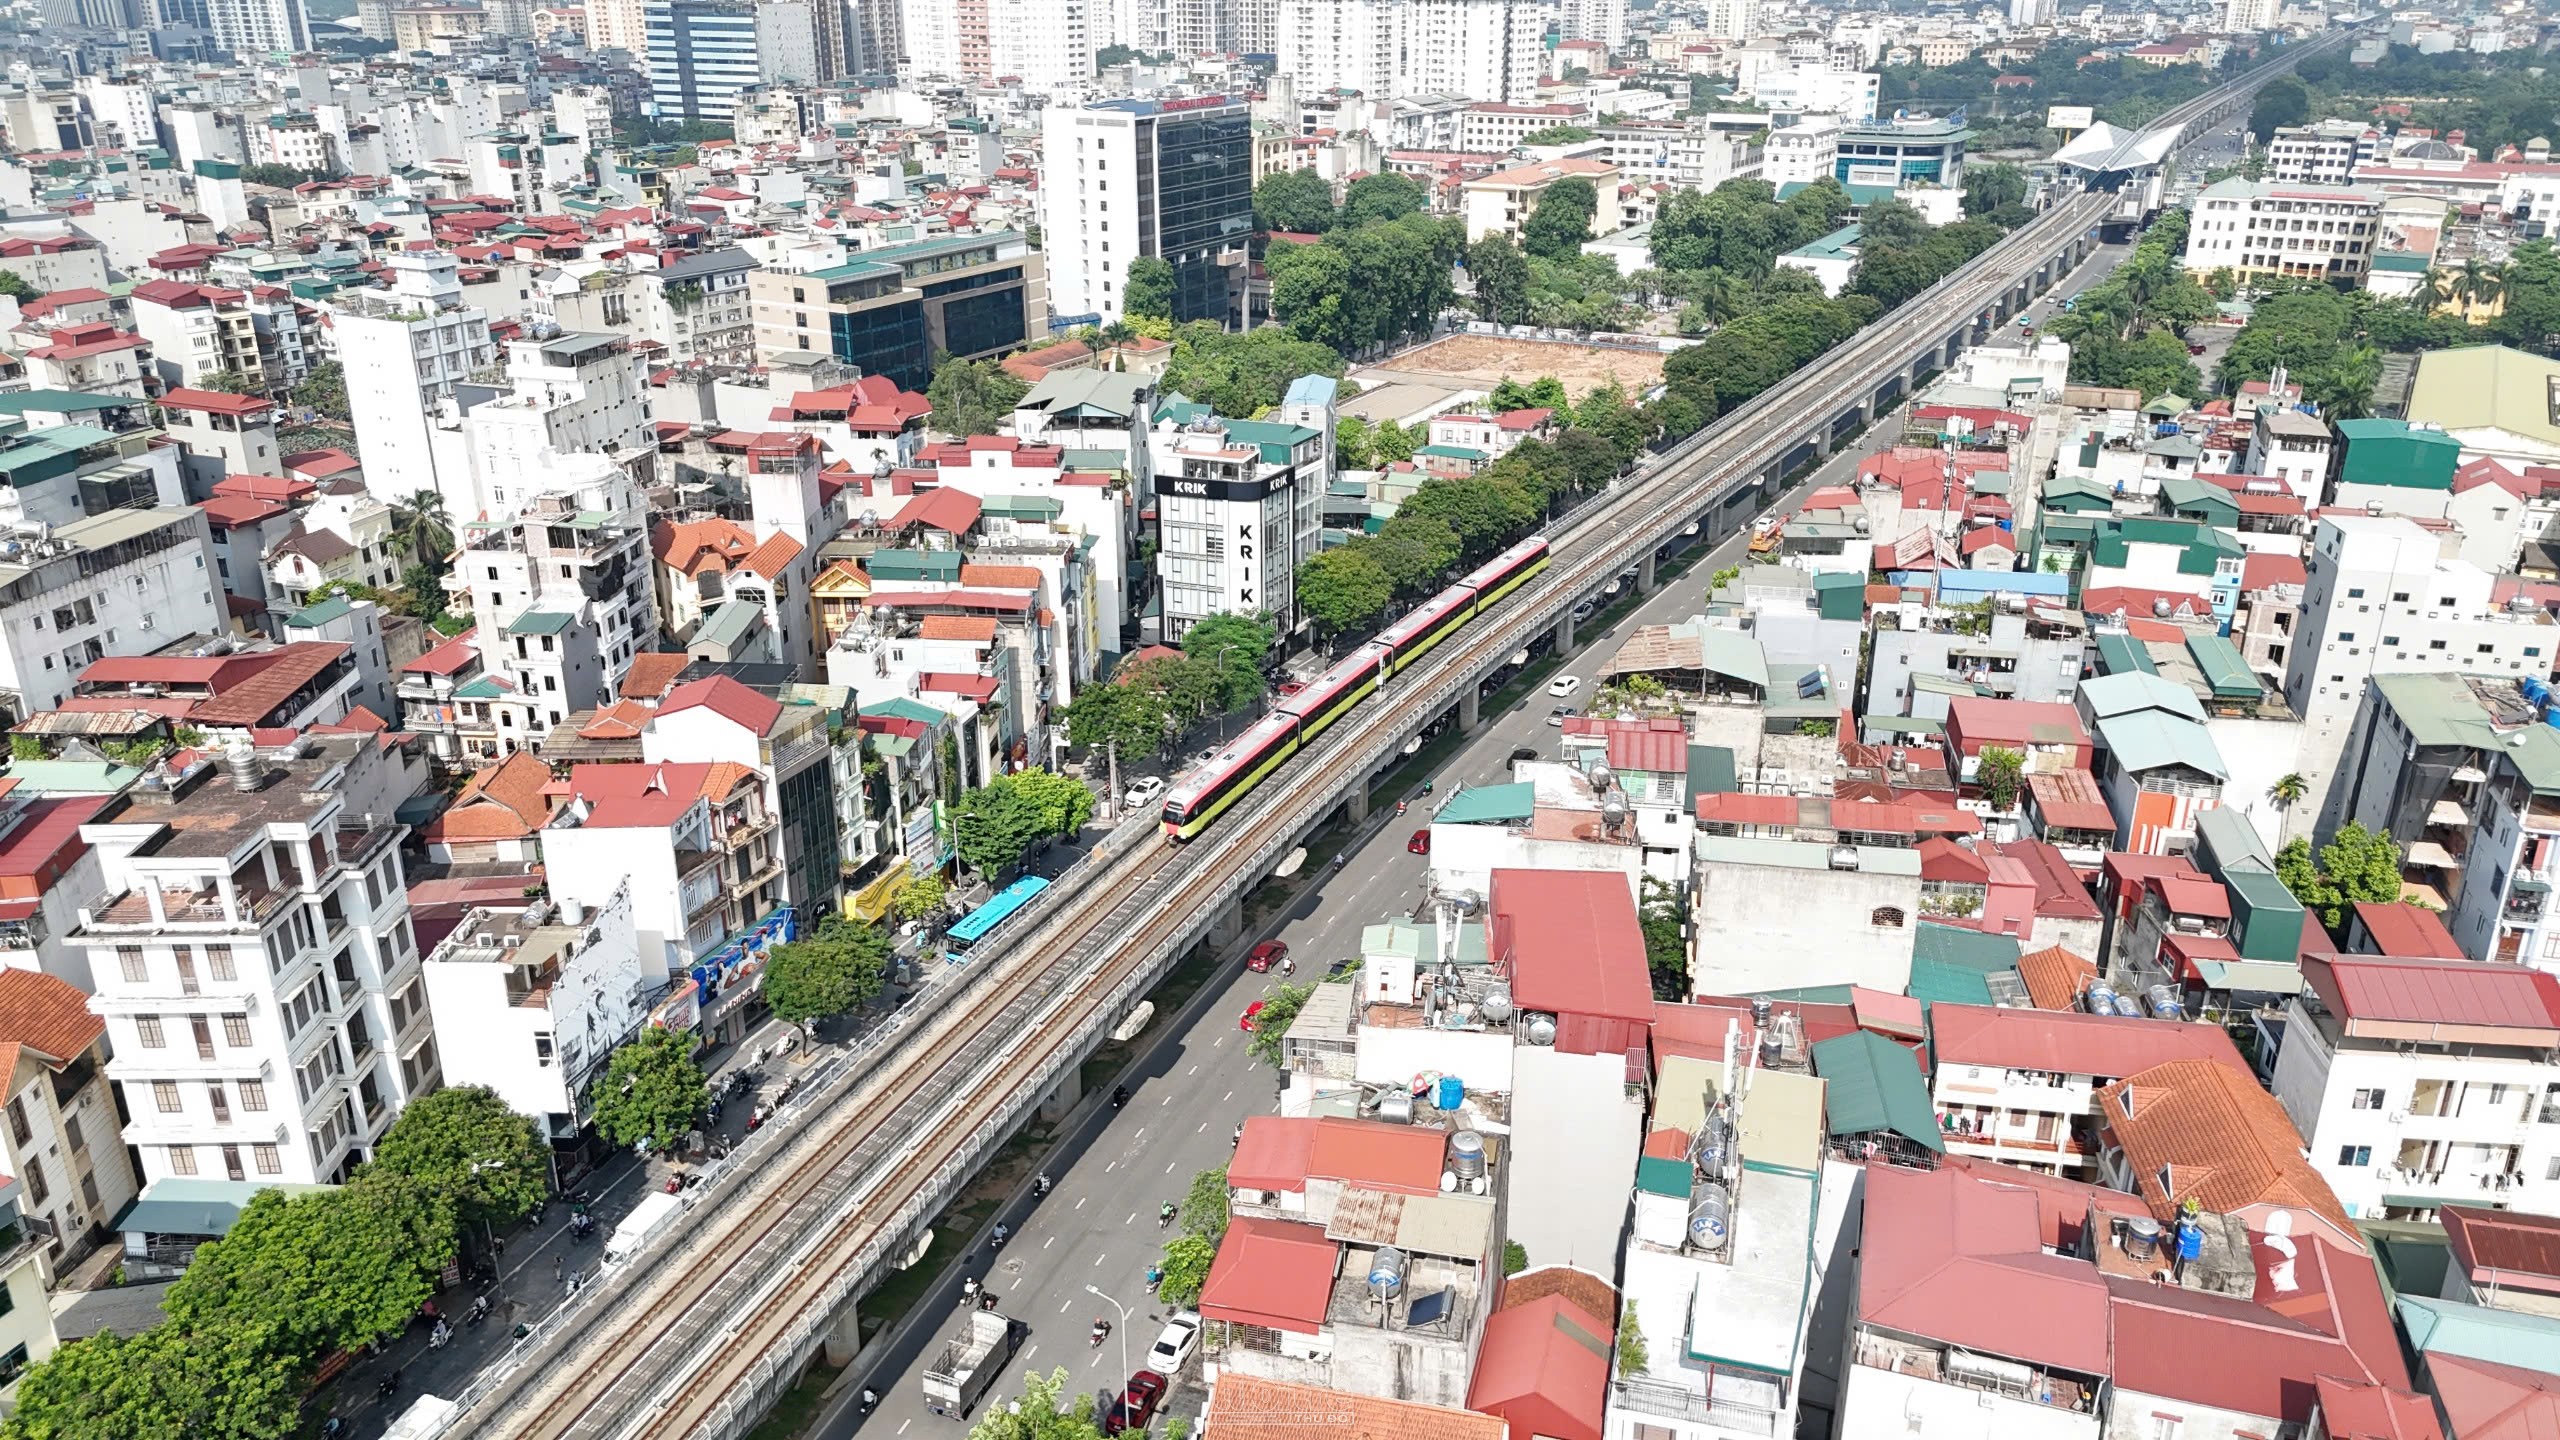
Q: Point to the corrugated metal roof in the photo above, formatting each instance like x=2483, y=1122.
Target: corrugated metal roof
x=1490, y=805
x=2151, y=740
x=2437, y=992
x=1874, y=1085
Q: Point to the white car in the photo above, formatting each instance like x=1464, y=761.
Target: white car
x=1144, y=789
x=1564, y=685
x=1175, y=1342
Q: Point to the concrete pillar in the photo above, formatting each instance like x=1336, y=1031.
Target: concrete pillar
x=1055, y=1106
x=1644, y=574
x=1470, y=710
x=1355, y=806
x=843, y=1344
x=1564, y=633
x=1226, y=927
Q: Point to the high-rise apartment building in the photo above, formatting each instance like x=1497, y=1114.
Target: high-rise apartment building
x=404, y=350
x=256, y=966
x=612, y=25
x=1479, y=49
x=1240, y=505
x=2258, y=227
x=259, y=27
x=2248, y=17
x=564, y=595
x=701, y=53
x=1168, y=178
x=1601, y=20
x=1047, y=44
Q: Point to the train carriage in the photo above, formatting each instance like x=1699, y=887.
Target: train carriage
x=1238, y=766
x=1507, y=571
x=1330, y=696
x=1429, y=623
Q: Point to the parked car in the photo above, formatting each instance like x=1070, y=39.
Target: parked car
x=1419, y=843
x=1556, y=717
x=1564, y=685
x=1135, y=1406
x=1144, y=789
x=1175, y=1342
x=1252, y=1013
x=1266, y=955
x=1523, y=752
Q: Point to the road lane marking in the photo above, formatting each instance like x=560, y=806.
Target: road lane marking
x=1097, y=1261
x=1070, y=1305
x=1168, y=1165
x=1052, y=1240
x=903, y=1424
x=1080, y=1202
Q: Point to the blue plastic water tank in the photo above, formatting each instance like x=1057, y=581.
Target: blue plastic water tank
x=1452, y=1091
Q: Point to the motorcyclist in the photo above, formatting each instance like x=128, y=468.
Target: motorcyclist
x=1003, y=1233
x=870, y=1397
x=1040, y=1183
x=1101, y=1331
x=1164, y=1213
x=1119, y=1096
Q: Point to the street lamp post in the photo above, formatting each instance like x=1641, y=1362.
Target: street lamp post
x=1218, y=662
x=1097, y=1294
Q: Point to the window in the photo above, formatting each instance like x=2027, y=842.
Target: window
x=253, y=1095
x=217, y=960
x=1886, y=917
x=542, y=1051
x=135, y=970
x=71, y=1134
x=19, y=1129
x=2365, y=1100
x=235, y=1031
x=165, y=1094
x=149, y=1026
x=36, y=1185
x=182, y=1160
x=268, y=1161
x=2354, y=1157
x=2400, y=597
x=2356, y=593
x=2435, y=645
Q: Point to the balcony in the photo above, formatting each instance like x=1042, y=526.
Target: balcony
x=1989, y=1374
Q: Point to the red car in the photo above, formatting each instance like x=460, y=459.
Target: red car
x=1135, y=1406
x=1250, y=1013
x=1266, y=955
x=1419, y=843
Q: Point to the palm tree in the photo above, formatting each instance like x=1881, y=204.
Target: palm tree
x=1716, y=293
x=2288, y=792
x=2344, y=388
x=418, y=525
x=2435, y=290
x=2479, y=283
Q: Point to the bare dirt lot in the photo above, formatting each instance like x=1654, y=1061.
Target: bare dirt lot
x=1484, y=361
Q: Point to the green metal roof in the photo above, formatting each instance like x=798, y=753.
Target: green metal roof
x=2133, y=691
x=2266, y=921
x=2224, y=667
x=1450, y=452
x=539, y=622
x=311, y=617
x=484, y=688
x=2200, y=545
x=1840, y=244
x=184, y=1205
x=2188, y=495
x=2260, y=976
x=1390, y=938
x=2397, y=454
x=1023, y=507
x=1662, y=1175
x=1977, y=950
x=729, y=624
x=1490, y=805
x=1872, y=1084
x=2437, y=708
x=2150, y=740
x=1732, y=654
x=1711, y=771
x=941, y=565
x=1934, y=981
x=2121, y=654
x=899, y=707
x=2501, y=1337
x=66, y=401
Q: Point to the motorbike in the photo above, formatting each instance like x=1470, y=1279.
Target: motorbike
x=969, y=1288
x=1101, y=1332
x=1155, y=1277
x=1039, y=1185
x=1400, y=809
x=478, y=1312
x=440, y=1336
x=870, y=1398
x=1001, y=1235
x=1164, y=1216
x=582, y=1228
x=1119, y=1096
x=388, y=1385
x=986, y=1299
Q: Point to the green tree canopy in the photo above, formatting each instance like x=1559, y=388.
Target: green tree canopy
x=1187, y=1259
x=2281, y=102
x=171, y=1382
x=1501, y=277
x=324, y=390
x=463, y=1142
x=1279, y=1009
x=652, y=1090
x=1148, y=293
x=15, y=286
x=1132, y=713
x=1232, y=648
x=997, y=823
x=1560, y=224
x=2356, y=866
x=1373, y=198
x=826, y=973
x=972, y=397
x=1989, y=187
x=1242, y=374
x=1297, y=201
x=1344, y=588
x=321, y=1270
x=1999, y=771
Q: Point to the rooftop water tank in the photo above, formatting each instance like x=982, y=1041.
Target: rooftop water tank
x=1496, y=1007
x=2142, y=1237
x=1466, y=1154
x=2128, y=1007
x=1539, y=1030
x=2101, y=998
x=2166, y=1003
x=1450, y=1093
x=1386, y=1271
x=1710, y=1216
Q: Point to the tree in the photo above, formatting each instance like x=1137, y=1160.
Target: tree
x=1050, y=1409
x=1891, y=225
x=1415, y=550
x=1311, y=293
x=1393, y=444
x=1515, y=1257
x=227, y=382
x=1562, y=221
x=1130, y=716
x=322, y=1270
x=1501, y=277
x=2478, y=283
x=465, y=1143
x=919, y=898
x=1544, y=393
x=1380, y=197
x=996, y=823
x=1279, y=1008
x=1344, y=588
x=1666, y=946
x=972, y=397
x=2288, y=791
x=324, y=390
x=1559, y=135
x=652, y=1091
x=844, y=964
x=1204, y=1205
x=2356, y=866
x=1232, y=648
x=1997, y=772
x=2281, y=102
x=1187, y=1259
x=1148, y=293
x=1632, y=1354
x=1298, y=201
x=171, y=1382
x=1991, y=187
x=1476, y=510
x=13, y=285
x=418, y=526
x=1241, y=374
x=282, y=177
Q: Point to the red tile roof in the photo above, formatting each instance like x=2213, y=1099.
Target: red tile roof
x=2502, y=1250
x=45, y=843
x=2408, y=932
x=2350, y=1410
x=2060, y=893
x=2109, y=1047
x=1544, y=1368
x=1250, y=1407
x=756, y=713
x=1571, y=942
x=2071, y=800
x=2221, y=1140
x=446, y=658
x=942, y=508
x=45, y=1014
x=2257, y=1356
x=216, y=401
x=1736, y=808
x=651, y=673
x=2055, y=977
x=1270, y=1273
x=1951, y=1256
x=2435, y=992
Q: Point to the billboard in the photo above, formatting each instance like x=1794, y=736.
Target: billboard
x=2069, y=117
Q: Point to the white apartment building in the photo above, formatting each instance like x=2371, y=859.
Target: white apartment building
x=1050, y=44
x=1797, y=90
x=2248, y=17
x=60, y=1142
x=1480, y=49
x=1729, y=19
x=256, y=967
x=1601, y=20
x=532, y=1001
x=2321, y=154
x=563, y=596
x=2420, y=1083
x=661, y=844
x=404, y=350
x=2263, y=227
x=113, y=584
x=573, y=394
x=2380, y=597
x=1240, y=506
x=26, y=1324
x=256, y=28
x=1804, y=152
x=1170, y=178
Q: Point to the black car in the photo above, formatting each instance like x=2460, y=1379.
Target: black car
x=1524, y=752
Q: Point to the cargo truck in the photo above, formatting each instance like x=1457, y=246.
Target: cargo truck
x=969, y=1362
